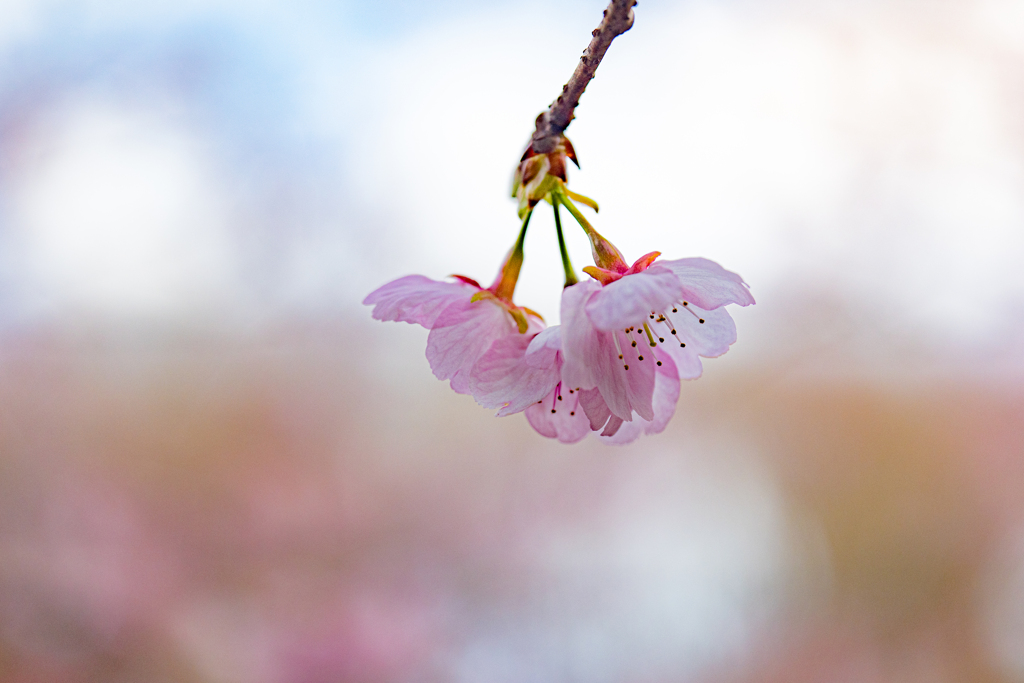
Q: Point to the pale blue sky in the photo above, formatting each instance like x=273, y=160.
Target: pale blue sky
x=277, y=156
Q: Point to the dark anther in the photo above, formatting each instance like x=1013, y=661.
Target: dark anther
x=559, y=398
x=639, y=357
x=552, y=410
x=700, y=320
x=634, y=342
x=572, y=412
x=673, y=331
x=682, y=345
x=659, y=363
x=625, y=367
x=661, y=339
x=686, y=303
x=675, y=310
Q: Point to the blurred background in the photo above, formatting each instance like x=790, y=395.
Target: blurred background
x=215, y=468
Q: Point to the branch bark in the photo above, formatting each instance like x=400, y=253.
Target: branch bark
x=618, y=19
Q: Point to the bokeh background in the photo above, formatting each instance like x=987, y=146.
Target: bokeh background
x=215, y=468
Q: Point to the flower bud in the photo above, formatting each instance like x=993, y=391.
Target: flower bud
x=539, y=173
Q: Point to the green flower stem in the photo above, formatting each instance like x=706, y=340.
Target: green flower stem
x=605, y=254
x=584, y=223
x=570, y=273
x=510, y=271
x=522, y=235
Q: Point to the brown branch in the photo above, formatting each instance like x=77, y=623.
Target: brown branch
x=618, y=19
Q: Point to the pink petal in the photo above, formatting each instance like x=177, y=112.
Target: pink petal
x=568, y=423
x=630, y=299
x=508, y=377
x=625, y=391
x=461, y=334
x=613, y=426
x=595, y=407
x=580, y=346
x=591, y=358
x=415, y=299
x=708, y=284
x=666, y=395
x=640, y=378
x=643, y=262
x=543, y=346
x=686, y=360
x=711, y=338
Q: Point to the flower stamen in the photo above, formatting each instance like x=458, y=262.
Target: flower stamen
x=649, y=335
x=672, y=330
x=558, y=394
x=686, y=305
x=618, y=347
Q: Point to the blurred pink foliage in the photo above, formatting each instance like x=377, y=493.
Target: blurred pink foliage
x=239, y=511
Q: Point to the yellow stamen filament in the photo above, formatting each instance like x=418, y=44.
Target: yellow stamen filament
x=649, y=335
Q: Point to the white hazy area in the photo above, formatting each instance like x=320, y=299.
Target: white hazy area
x=120, y=216
x=870, y=150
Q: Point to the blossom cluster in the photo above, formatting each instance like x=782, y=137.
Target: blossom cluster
x=627, y=337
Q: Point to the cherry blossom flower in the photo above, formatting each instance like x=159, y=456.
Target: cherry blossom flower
x=621, y=330
x=517, y=371
x=560, y=415
x=663, y=403
x=523, y=373
x=464, y=318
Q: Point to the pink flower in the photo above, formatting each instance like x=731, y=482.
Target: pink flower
x=634, y=331
x=464, y=320
x=614, y=429
x=523, y=373
x=560, y=415
x=517, y=371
